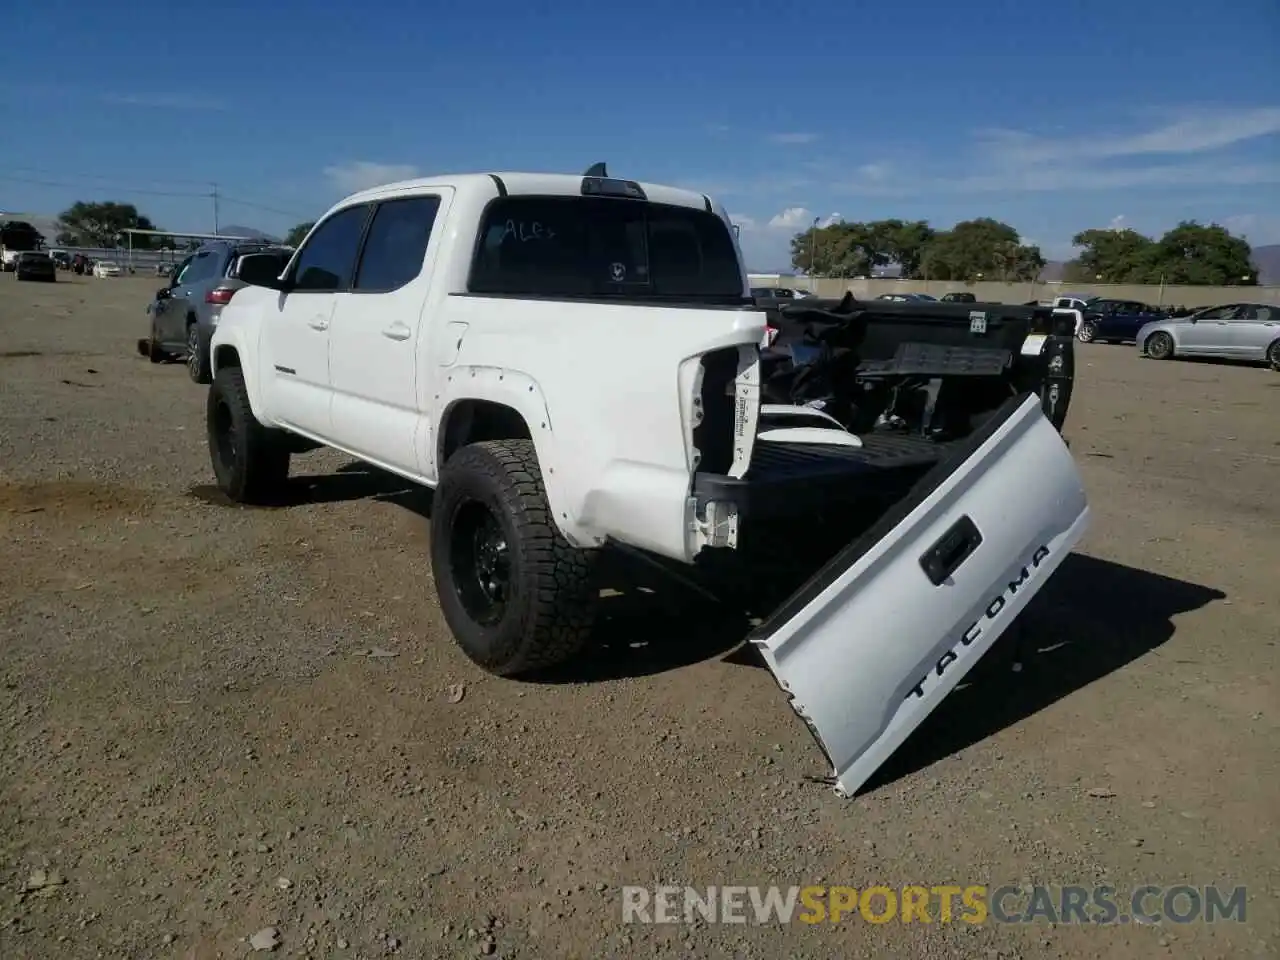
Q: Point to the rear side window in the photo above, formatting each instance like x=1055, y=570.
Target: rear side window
x=397, y=243
x=328, y=258
x=604, y=247
x=202, y=267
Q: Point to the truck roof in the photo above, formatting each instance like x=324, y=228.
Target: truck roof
x=515, y=183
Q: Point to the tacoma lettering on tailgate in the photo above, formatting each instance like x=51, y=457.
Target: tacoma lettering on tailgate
x=992, y=610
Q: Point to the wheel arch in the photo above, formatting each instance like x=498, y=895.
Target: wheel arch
x=227, y=354
x=490, y=403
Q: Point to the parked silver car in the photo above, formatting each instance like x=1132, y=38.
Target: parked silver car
x=1235, y=331
x=184, y=313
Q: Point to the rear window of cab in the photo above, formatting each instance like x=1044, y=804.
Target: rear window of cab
x=602, y=247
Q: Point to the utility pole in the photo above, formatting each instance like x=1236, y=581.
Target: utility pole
x=215, y=208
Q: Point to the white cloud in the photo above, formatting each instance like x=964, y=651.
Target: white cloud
x=831, y=220
x=792, y=218
x=792, y=138
x=1259, y=229
x=1117, y=222
x=363, y=174
x=1186, y=131
x=1064, y=178
x=162, y=101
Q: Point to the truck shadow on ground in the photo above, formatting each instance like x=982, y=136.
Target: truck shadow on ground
x=1092, y=618
x=646, y=623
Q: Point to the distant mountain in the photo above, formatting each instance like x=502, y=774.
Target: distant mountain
x=238, y=231
x=1267, y=262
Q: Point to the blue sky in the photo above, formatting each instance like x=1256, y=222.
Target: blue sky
x=1054, y=118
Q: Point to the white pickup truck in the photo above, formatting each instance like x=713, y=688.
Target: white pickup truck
x=573, y=364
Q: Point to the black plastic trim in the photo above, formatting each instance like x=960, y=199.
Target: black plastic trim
x=497, y=182
x=962, y=451
x=649, y=301
x=707, y=200
x=951, y=550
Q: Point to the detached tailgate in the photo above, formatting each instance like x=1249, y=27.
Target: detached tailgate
x=873, y=642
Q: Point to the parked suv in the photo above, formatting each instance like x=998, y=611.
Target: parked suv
x=184, y=313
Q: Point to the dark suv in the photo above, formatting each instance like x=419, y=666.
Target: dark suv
x=184, y=313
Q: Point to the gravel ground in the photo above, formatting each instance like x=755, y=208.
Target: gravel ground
x=198, y=744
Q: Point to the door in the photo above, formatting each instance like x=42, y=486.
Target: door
x=296, y=363
x=165, y=309
x=1254, y=327
x=877, y=638
x=377, y=331
x=186, y=292
x=1207, y=332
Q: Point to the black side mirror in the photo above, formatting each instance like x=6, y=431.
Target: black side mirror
x=262, y=270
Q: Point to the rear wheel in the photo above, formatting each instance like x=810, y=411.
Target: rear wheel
x=1159, y=346
x=197, y=355
x=154, y=353
x=1088, y=332
x=516, y=595
x=250, y=461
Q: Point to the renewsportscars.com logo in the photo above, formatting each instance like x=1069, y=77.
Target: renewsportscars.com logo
x=972, y=904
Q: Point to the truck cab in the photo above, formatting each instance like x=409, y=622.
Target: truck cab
x=573, y=364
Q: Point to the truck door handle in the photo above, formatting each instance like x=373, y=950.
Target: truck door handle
x=318, y=323
x=952, y=549
x=397, y=331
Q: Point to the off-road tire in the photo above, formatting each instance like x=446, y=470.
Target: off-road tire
x=250, y=461
x=1159, y=346
x=197, y=355
x=552, y=596
x=1088, y=332
x=1273, y=356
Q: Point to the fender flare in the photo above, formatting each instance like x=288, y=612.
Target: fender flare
x=234, y=339
x=521, y=392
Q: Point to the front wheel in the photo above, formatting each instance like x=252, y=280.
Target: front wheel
x=250, y=461
x=1273, y=356
x=1159, y=346
x=1088, y=332
x=516, y=595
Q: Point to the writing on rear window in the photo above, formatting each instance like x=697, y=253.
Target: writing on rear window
x=604, y=247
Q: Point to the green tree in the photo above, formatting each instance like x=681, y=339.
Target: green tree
x=1205, y=255
x=855, y=249
x=298, y=234
x=902, y=243
x=100, y=224
x=980, y=249
x=1117, y=256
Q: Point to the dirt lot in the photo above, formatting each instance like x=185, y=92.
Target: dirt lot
x=197, y=743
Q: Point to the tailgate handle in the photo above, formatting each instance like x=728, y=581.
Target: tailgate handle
x=952, y=549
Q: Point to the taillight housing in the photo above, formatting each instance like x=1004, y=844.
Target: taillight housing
x=219, y=295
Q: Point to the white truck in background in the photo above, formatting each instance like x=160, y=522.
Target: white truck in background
x=573, y=363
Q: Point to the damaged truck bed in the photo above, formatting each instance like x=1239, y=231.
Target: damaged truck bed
x=925, y=498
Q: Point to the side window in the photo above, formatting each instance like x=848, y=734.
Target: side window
x=180, y=273
x=326, y=261
x=202, y=267
x=1217, y=313
x=396, y=243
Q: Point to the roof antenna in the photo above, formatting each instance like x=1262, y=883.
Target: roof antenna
x=597, y=170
